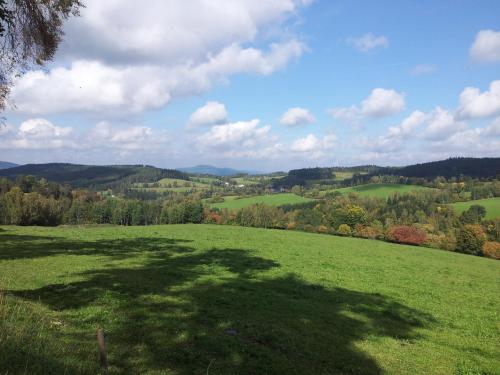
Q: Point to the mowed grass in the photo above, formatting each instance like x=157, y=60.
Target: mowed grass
x=233, y=203
x=492, y=206
x=202, y=299
x=381, y=190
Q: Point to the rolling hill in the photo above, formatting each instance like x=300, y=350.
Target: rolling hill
x=181, y=299
x=93, y=176
x=6, y=164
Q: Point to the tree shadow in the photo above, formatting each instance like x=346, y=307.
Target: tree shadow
x=16, y=246
x=223, y=311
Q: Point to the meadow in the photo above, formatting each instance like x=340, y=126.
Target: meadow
x=492, y=206
x=204, y=299
x=235, y=203
x=381, y=190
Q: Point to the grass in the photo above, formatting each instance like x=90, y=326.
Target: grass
x=492, y=206
x=381, y=190
x=198, y=299
x=269, y=199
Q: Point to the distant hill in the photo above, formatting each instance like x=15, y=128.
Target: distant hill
x=93, y=176
x=216, y=171
x=452, y=167
x=6, y=164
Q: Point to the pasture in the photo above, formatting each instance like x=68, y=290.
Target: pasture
x=233, y=203
x=383, y=191
x=204, y=299
x=492, y=206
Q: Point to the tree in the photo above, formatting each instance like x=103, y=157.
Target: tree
x=30, y=32
x=473, y=215
x=471, y=239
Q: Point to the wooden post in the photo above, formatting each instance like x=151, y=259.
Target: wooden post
x=101, y=343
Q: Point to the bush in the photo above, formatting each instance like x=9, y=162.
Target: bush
x=491, y=249
x=470, y=239
x=344, y=230
x=406, y=234
x=442, y=241
x=367, y=231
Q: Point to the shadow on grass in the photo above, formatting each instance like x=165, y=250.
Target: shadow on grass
x=183, y=310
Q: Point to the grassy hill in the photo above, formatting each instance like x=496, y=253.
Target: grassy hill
x=197, y=299
x=381, y=190
x=492, y=206
x=98, y=176
x=233, y=203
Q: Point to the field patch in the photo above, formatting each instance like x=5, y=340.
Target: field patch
x=381, y=190
x=196, y=299
x=492, y=206
x=233, y=203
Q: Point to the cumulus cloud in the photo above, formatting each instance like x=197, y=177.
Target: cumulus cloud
x=380, y=103
x=486, y=47
x=368, y=42
x=313, y=147
x=297, y=116
x=143, y=138
x=477, y=104
x=209, y=114
x=121, y=58
x=408, y=126
x=441, y=124
x=241, y=134
x=90, y=86
x=36, y=133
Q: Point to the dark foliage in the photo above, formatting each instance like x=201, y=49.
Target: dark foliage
x=93, y=176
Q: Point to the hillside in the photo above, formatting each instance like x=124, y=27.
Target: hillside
x=492, y=206
x=179, y=299
x=6, y=164
x=453, y=167
x=381, y=190
x=93, y=176
x=233, y=203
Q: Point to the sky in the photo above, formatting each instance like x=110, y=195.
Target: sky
x=264, y=85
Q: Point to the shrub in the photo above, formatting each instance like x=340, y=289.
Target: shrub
x=406, y=234
x=344, y=230
x=470, y=239
x=367, y=231
x=491, y=249
x=442, y=241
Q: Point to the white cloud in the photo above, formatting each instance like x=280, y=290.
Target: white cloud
x=118, y=58
x=209, y=114
x=493, y=129
x=105, y=135
x=486, y=47
x=297, y=116
x=422, y=69
x=368, y=42
x=380, y=103
x=235, y=135
x=312, y=146
x=441, y=124
x=474, y=104
x=408, y=126
x=90, y=86
x=37, y=133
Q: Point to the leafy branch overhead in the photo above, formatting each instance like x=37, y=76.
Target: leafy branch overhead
x=30, y=32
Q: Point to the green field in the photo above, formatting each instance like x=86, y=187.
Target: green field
x=232, y=203
x=201, y=299
x=381, y=190
x=492, y=206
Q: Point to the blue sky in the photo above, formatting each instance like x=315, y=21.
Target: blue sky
x=277, y=85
